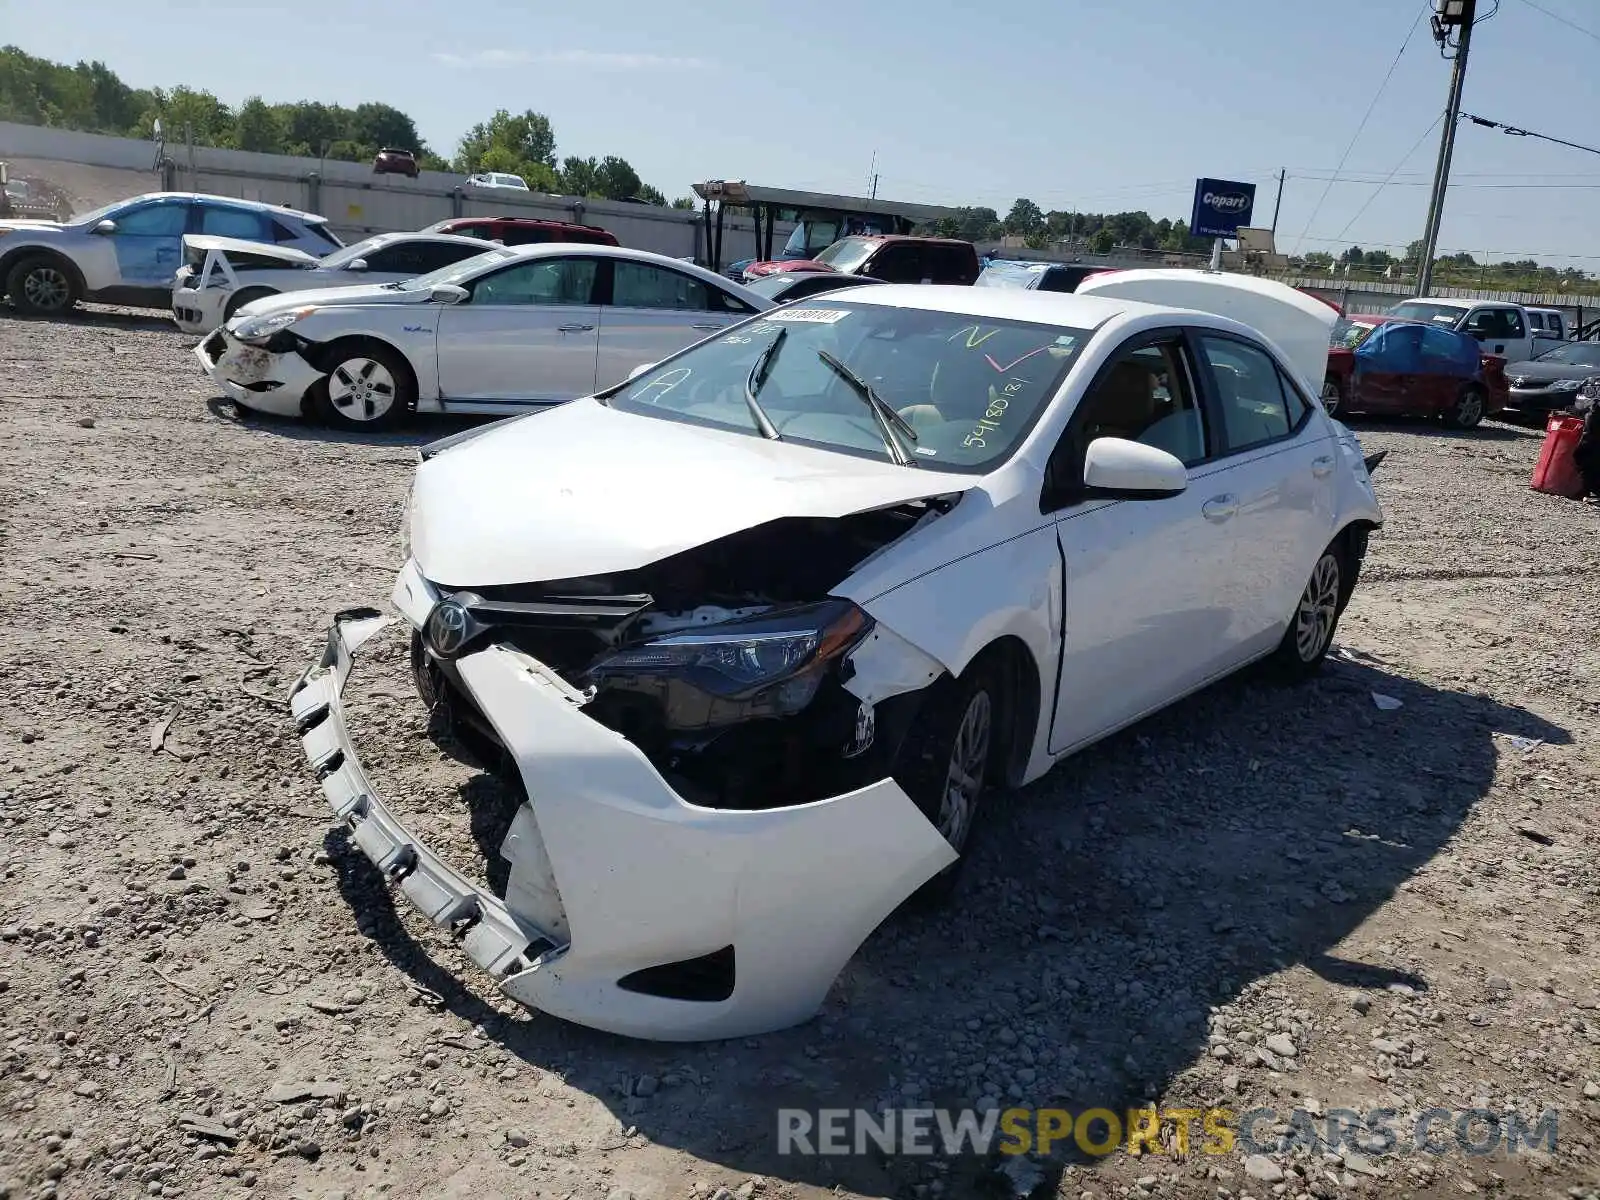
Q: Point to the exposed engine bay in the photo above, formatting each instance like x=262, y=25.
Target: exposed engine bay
x=724, y=664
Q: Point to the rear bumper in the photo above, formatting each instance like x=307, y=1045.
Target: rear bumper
x=619, y=890
x=256, y=378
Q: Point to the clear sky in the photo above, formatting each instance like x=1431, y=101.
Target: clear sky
x=1094, y=105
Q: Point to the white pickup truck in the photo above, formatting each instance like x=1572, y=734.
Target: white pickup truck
x=1503, y=329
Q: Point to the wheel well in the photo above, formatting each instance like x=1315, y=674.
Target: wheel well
x=1353, y=538
x=9, y=261
x=324, y=356
x=1010, y=658
x=247, y=294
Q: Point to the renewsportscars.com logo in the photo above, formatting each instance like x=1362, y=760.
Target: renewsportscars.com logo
x=1379, y=1132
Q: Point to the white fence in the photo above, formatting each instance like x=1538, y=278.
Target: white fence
x=358, y=202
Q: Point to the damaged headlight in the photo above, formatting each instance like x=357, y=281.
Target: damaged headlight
x=773, y=663
x=256, y=330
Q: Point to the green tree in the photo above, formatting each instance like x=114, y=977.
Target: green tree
x=188, y=113
x=686, y=202
x=1353, y=257
x=615, y=179
x=1103, y=242
x=382, y=125
x=257, y=127
x=528, y=136
x=1025, y=218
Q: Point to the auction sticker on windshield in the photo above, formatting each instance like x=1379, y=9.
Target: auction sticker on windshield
x=818, y=316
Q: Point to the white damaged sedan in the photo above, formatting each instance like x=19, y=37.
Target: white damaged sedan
x=761, y=626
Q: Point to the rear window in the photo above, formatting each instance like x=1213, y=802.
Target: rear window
x=318, y=230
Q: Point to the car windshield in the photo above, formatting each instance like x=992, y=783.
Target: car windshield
x=1421, y=310
x=455, y=272
x=847, y=253
x=1347, y=334
x=106, y=210
x=342, y=258
x=1582, y=354
x=968, y=388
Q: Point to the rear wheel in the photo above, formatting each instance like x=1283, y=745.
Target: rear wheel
x=42, y=287
x=1332, y=396
x=369, y=386
x=1306, y=642
x=1467, y=411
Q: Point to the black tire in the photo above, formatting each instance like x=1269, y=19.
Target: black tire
x=242, y=297
x=963, y=719
x=1332, y=396
x=1315, y=619
x=369, y=386
x=42, y=286
x=1468, y=409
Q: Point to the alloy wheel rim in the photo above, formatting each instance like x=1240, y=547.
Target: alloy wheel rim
x=969, y=762
x=362, y=389
x=1319, y=605
x=45, y=287
x=1471, y=408
x=1330, y=397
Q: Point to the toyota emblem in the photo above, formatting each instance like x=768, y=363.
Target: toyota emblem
x=447, y=628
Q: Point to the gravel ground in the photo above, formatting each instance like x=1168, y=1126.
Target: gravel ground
x=1263, y=898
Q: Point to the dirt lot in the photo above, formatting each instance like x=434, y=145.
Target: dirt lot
x=1265, y=898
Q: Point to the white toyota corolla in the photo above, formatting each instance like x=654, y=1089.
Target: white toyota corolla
x=761, y=625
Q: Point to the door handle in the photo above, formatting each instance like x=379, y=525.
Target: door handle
x=574, y=328
x=1321, y=467
x=706, y=325
x=1219, y=508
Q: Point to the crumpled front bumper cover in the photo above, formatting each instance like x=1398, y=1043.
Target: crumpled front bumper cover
x=613, y=874
x=256, y=378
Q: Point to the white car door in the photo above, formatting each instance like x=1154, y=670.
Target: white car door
x=1271, y=485
x=654, y=311
x=1149, y=602
x=527, y=333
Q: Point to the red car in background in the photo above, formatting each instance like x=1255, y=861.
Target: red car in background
x=1386, y=365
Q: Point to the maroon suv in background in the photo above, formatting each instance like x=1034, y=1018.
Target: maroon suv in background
x=395, y=162
x=523, y=231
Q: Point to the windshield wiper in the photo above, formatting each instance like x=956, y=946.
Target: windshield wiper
x=756, y=380
x=891, y=424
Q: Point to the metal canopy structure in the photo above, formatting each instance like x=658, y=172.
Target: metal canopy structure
x=766, y=203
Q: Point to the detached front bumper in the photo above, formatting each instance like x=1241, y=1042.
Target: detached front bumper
x=198, y=310
x=254, y=377
x=628, y=909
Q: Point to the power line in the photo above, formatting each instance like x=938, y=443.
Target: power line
x=1555, y=16
x=1410, y=32
x=1432, y=125
x=1513, y=131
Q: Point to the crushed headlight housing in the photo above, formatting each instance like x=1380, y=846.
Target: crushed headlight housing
x=765, y=666
x=257, y=331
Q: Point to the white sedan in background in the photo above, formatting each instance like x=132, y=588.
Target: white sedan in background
x=221, y=275
x=513, y=328
x=762, y=625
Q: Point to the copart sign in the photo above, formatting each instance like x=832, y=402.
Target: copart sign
x=1221, y=206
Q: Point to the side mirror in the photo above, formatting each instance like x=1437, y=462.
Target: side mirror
x=639, y=370
x=447, y=293
x=106, y=227
x=1117, y=469
x=356, y=264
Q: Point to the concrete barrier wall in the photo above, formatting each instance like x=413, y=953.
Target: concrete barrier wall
x=358, y=202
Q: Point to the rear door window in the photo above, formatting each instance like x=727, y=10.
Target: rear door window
x=235, y=223
x=897, y=262
x=1256, y=406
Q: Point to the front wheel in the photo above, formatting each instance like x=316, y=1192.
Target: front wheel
x=1467, y=411
x=41, y=287
x=948, y=761
x=1332, y=396
x=1306, y=642
x=368, y=387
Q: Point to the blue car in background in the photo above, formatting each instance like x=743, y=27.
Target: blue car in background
x=1035, y=276
x=128, y=252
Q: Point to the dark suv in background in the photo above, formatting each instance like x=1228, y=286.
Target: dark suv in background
x=395, y=162
x=523, y=231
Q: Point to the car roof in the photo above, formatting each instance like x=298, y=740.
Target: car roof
x=526, y=222
x=421, y=235
x=901, y=237
x=552, y=249
x=234, y=202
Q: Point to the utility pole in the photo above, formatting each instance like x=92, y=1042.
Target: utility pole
x=1277, y=204
x=874, y=170
x=1448, y=15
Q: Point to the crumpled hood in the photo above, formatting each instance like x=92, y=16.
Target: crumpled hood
x=1545, y=372
x=584, y=489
